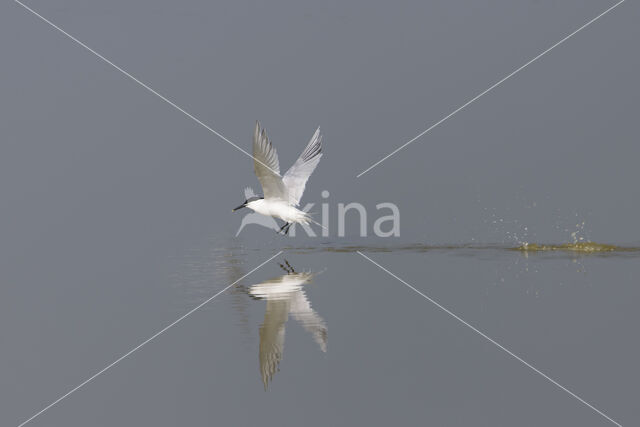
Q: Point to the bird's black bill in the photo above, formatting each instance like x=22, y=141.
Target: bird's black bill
x=239, y=207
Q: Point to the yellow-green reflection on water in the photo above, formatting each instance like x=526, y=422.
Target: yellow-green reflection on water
x=582, y=247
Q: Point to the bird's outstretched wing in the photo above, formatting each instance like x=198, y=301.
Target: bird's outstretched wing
x=300, y=309
x=296, y=177
x=266, y=166
x=272, y=338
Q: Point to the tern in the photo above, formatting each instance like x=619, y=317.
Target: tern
x=285, y=297
x=281, y=193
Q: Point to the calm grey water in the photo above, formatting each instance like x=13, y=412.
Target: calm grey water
x=115, y=214
x=347, y=345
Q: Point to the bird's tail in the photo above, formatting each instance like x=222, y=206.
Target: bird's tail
x=303, y=217
x=309, y=219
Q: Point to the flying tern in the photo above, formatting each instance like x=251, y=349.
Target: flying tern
x=281, y=193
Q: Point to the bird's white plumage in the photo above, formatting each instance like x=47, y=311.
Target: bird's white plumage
x=282, y=194
x=296, y=177
x=267, y=167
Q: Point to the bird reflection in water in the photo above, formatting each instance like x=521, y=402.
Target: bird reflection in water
x=285, y=296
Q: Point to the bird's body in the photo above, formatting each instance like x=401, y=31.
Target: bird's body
x=279, y=209
x=281, y=193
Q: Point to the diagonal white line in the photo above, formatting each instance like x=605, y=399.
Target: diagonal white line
x=144, y=85
x=508, y=76
x=139, y=346
x=491, y=340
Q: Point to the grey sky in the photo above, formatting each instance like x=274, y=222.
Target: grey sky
x=559, y=134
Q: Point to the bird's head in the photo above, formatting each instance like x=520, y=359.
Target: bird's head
x=247, y=203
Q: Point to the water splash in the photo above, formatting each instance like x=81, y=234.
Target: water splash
x=578, y=235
